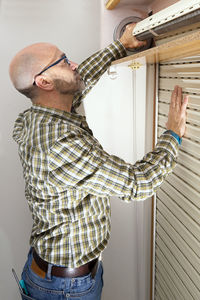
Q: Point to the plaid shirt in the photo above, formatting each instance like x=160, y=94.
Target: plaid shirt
x=69, y=178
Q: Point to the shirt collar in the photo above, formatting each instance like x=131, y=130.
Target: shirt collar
x=74, y=118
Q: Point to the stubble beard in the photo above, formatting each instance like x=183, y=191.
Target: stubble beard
x=66, y=88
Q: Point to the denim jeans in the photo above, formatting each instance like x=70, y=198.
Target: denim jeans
x=57, y=288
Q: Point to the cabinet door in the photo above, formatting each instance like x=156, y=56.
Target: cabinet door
x=116, y=112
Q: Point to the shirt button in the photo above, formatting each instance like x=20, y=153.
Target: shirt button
x=67, y=295
x=73, y=280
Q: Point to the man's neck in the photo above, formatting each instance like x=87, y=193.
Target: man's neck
x=57, y=101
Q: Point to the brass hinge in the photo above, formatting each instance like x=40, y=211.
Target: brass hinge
x=135, y=65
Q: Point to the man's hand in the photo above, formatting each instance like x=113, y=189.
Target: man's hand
x=128, y=40
x=177, y=112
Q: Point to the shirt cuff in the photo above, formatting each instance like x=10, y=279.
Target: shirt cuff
x=117, y=49
x=169, y=143
x=175, y=135
x=122, y=46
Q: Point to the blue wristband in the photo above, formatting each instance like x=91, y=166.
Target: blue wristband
x=175, y=135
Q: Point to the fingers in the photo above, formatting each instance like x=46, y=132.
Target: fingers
x=131, y=26
x=138, y=43
x=178, y=101
x=173, y=97
x=179, y=98
x=141, y=43
x=129, y=40
x=184, y=104
x=177, y=112
x=176, y=98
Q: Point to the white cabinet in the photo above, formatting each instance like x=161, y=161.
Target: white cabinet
x=116, y=113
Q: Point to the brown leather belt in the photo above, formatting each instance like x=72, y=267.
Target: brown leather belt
x=90, y=267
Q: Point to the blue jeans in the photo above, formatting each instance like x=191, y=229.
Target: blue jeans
x=57, y=288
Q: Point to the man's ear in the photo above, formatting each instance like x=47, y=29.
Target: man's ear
x=44, y=83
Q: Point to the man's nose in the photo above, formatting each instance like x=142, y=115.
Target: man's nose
x=73, y=65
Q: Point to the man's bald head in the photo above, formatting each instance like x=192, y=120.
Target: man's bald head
x=27, y=63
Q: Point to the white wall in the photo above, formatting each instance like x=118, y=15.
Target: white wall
x=75, y=27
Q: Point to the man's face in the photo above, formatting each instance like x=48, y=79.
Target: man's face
x=65, y=76
x=67, y=80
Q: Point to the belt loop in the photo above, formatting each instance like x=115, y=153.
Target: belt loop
x=49, y=271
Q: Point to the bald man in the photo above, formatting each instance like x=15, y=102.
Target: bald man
x=69, y=178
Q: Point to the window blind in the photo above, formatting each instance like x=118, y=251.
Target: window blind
x=177, y=241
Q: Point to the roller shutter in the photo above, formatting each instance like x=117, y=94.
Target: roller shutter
x=177, y=241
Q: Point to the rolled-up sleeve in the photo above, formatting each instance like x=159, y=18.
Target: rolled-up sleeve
x=80, y=163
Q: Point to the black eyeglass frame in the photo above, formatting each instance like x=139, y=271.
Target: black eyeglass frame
x=55, y=63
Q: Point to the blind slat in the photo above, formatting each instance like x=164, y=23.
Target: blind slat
x=194, y=100
x=190, y=86
x=189, y=59
x=180, y=70
x=192, y=115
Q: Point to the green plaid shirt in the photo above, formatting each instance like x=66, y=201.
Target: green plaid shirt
x=69, y=178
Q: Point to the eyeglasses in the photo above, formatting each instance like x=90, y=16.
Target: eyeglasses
x=55, y=63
